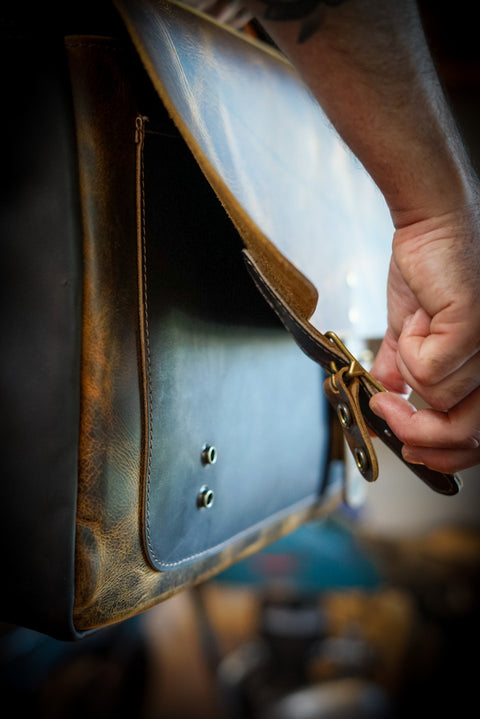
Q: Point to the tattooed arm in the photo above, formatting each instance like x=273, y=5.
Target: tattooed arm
x=368, y=64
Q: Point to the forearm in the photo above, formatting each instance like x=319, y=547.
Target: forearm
x=368, y=65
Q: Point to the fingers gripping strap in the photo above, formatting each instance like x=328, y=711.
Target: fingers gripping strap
x=349, y=395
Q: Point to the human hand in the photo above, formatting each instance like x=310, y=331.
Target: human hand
x=432, y=344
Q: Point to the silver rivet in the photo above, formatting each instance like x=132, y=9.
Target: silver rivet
x=361, y=460
x=209, y=454
x=205, y=498
x=344, y=415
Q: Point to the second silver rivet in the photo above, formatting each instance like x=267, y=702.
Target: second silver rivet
x=205, y=498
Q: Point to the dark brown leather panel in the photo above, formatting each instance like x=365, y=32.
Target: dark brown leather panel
x=40, y=330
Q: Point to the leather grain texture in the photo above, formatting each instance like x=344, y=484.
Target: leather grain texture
x=220, y=370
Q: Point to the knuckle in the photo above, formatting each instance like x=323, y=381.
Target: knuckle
x=429, y=370
x=425, y=375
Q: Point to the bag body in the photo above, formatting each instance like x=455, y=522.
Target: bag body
x=158, y=422
x=147, y=389
x=181, y=358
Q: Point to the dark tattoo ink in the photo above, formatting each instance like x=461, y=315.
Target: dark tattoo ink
x=309, y=12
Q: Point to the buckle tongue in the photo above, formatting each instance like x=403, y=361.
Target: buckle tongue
x=355, y=369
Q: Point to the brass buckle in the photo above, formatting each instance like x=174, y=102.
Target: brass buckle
x=355, y=369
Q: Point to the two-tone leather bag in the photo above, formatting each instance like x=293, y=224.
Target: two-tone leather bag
x=158, y=422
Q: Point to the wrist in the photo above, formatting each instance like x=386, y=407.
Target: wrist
x=436, y=194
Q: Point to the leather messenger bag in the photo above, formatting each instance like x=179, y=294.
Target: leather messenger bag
x=158, y=421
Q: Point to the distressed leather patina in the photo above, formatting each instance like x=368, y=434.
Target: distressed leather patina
x=179, y=351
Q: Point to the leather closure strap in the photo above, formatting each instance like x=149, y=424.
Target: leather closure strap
x=343, y=394
x=342, y=389
x=349, y=388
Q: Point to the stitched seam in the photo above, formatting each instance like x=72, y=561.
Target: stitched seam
x=305, y=503
x=159, y=563
x=148, y=367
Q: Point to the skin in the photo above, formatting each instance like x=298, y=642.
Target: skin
x=368, y=65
